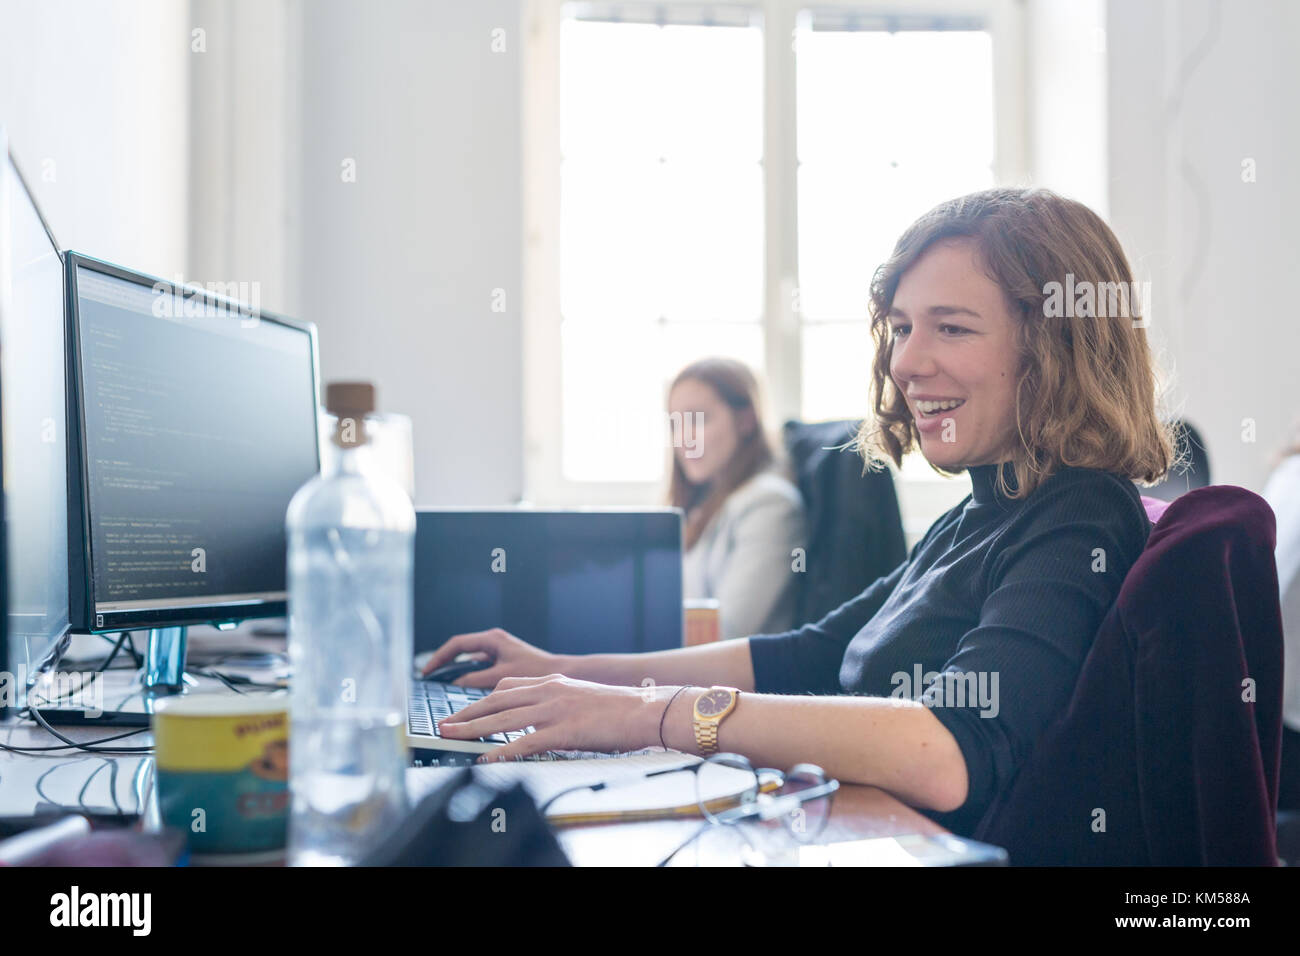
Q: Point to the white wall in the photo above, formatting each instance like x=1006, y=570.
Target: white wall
x=397, y=268
x=245, y=131
x=95, y=96
x=1195, y=89
x=1065, y=50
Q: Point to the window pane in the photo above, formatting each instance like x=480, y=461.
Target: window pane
x=613, y=417
x=683, y=344
x=916, y=96
x=713, y=245
x=661, y=235
x=611, y=97
x=837, y=360
x=889, y=125
x=850, y=216
x=676, y=92
x=612, y=240
x=615, y=391
x=713, y=79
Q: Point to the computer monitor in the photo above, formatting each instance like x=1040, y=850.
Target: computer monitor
x=571, y=582
x=194, y=423
x=34, y=427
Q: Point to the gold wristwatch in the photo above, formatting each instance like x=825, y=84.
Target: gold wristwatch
x=711, y=708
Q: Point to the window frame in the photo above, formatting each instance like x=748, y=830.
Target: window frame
x=544, y=481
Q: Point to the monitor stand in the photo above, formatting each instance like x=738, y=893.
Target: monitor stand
x=122, y=698
x=164, y=661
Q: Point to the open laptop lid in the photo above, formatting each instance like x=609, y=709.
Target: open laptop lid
x=571, y=581
x=24, y=184
x=33, y=409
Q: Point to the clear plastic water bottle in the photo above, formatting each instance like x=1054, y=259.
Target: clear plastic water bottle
x=351, y=550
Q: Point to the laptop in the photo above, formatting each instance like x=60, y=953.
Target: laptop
x=576, y=581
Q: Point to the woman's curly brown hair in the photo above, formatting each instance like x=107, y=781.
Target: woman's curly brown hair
x=1086, y=386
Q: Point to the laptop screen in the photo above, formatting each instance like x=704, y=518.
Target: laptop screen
x=570, y=582
x=35, y=434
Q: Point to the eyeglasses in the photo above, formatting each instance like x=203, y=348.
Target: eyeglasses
x=800, y=799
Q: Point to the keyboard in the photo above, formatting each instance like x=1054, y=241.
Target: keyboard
x=428, y=704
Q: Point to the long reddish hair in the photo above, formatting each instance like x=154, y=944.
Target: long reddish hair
x=736, y=385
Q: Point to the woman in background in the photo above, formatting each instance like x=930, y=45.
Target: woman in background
x=743, y=518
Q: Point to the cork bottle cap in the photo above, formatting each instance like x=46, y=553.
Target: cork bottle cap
x=349, y=398
x=350, y=403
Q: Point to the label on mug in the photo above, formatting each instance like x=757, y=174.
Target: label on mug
x=222, y=768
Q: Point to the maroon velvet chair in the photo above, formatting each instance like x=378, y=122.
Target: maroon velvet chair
x=1168, y=751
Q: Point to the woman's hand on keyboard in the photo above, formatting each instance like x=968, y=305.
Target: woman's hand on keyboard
x=510, y=657
x=565, y=714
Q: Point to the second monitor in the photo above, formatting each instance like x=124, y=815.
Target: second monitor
x=194, y=422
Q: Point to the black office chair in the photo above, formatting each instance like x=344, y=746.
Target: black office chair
x=855, y=530
x=1193, y=473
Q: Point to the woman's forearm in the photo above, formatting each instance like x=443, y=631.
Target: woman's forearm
x=726, y=662
x=895, y=744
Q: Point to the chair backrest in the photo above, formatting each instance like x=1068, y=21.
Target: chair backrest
x=1194, y=472
x=855, y=530
x=1168, y=751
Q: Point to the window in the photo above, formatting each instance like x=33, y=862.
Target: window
x=661, y=227
x=724, y=179
x=861, y=183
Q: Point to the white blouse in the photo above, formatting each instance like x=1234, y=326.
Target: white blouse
x=746, y=560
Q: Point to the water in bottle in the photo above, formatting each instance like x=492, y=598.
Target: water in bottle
x=351, y=549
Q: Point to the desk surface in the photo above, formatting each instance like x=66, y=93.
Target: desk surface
x=858, y=812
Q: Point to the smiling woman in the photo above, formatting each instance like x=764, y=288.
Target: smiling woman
x=937, y=680
x=1067, y=390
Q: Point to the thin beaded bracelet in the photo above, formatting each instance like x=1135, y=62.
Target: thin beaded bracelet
x=664, y=716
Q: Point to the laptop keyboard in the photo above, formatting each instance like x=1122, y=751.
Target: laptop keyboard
x=430, y=702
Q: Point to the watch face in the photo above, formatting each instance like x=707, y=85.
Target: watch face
x=713, y=703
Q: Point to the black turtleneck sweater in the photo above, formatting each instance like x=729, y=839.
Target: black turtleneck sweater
x=1002, y=597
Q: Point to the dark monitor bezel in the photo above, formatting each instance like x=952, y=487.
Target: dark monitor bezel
x=80, y=559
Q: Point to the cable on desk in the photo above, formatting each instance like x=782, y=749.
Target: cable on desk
x=36, y=750
x=40, y=786
x=95, y=746
x=221, y=677
x=112, y=785
x=684, y=844
x=81, y=805
x=57, y=658
x=90, y=747
x=122, y=638
x=81, y=795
